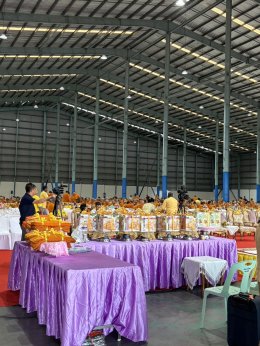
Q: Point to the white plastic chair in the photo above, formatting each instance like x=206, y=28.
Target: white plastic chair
x=247, y=268
x=15, y=229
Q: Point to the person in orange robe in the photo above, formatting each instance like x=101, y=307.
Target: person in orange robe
x=75, y=198
x=66, y=197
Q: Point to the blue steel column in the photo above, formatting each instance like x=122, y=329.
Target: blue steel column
x=258, y=159
x=125, y=134
x=226, y=174
x=216, y=161
x=44, y=144
x=95, y=170
x=184, y=157
x=158, y=164
x=57, y=146
x=165, y=117
x=137, y=164
x=16, y=150
x=74, y=145
x=238, y=177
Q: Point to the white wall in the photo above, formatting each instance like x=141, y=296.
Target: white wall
x=86, y=190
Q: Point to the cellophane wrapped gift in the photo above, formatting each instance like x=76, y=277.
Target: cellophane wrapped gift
x=130, y=224
x=148, y=226
x=215, y=219
x=203, y=219
x=168, y=224
x=87, y=224
x=191, y=226
x=106, y=225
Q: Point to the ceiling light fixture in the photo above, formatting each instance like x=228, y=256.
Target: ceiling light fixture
x=3, y=37
x=103, y=57
x=62, y=88
x=67, y=30
x=99, y=139
x=67, y=124
x=201, y=107
x=17, y=120
x=199, y=126
x=180, y=3
x=210, y=61
x=184, y=72
x=187, y=86
x=18, y=56
x=129, y=97
x=49, y=132
x=4, y=129
x=35, y=107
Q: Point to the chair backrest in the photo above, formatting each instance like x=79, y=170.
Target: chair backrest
x=246, y=267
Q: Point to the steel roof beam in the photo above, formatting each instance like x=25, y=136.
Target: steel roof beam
x=162, y=25
x=56, y=99
x=135, y=85
x=125, y=54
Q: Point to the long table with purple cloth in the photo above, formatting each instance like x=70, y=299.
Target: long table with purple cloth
x=74, y=294
x=160, y=261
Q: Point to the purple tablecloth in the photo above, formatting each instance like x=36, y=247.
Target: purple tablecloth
x=160, y=261
x=74, y=294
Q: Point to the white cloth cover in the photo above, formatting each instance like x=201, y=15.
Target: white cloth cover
x=5, y=241
x=232, y=229
x=213, y=268
x=68, y=212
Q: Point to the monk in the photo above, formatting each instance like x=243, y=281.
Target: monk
x=66, y=197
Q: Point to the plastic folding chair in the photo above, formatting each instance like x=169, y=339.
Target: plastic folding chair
x=247, y=269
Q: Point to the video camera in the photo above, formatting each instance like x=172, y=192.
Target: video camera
x=182, y=194
x=59, y=190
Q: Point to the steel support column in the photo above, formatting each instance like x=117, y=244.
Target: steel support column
x=216, y=162
x=137, y=164
x=57, y=146
x=44, y=144
x=238, y=176
x=165, y=117
x=258, y=159
x=116, y=165
x=125, y=134
x=74, y=145
x=16, y=150
x=96, y=128
x=184, y=157
x=226, y=173
x=158, y=165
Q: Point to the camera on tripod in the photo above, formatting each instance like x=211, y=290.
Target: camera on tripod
x=59, y=190
x=182, y=194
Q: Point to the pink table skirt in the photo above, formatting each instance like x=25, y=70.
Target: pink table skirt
x=160, y=261
x=73, y=294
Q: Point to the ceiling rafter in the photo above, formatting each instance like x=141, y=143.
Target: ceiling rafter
x=125, y=54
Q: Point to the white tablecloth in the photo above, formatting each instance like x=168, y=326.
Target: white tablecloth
x=213, y=268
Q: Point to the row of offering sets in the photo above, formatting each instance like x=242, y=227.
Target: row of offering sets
x=136, y=223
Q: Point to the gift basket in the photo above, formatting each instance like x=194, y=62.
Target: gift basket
x=148, y=227
x=168, y=225
x=129, y=226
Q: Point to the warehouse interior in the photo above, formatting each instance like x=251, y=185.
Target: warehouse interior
x=59, y=54
x=131, y=98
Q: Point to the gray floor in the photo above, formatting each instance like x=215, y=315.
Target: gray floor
x=173, y=321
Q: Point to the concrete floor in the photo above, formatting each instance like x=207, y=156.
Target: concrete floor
x=173, y=321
